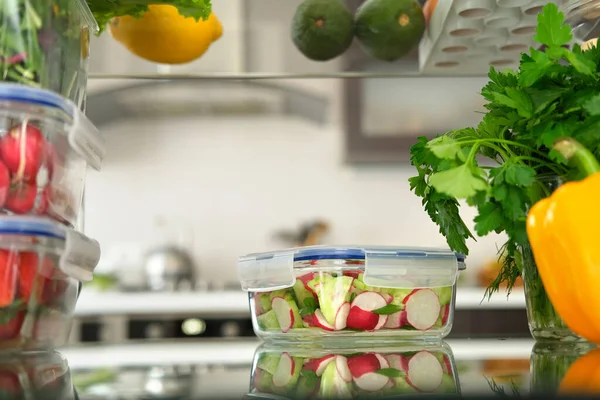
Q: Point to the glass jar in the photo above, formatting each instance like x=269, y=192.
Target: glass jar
x=46, y=44
x=550, y=362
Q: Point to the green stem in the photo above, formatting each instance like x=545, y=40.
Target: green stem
x=509, y=142
x=578, y=155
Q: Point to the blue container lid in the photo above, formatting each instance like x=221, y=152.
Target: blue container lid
x=31, y=226
x=35, y=96
x=348, y=253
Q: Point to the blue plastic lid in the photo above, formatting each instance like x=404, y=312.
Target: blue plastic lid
x=345, y=253
x=31, y=226
x=35, y=96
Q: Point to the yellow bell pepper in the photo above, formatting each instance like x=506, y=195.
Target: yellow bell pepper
x=564, y=234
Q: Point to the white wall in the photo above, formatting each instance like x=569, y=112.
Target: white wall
x=235, y=181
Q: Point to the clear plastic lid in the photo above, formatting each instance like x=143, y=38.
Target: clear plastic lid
x=390, y=267
x=83, y=136
x=80, y=254
x=87, y=16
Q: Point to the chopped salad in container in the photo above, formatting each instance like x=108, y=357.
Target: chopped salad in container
x=46, y=143
x=304, y=373
x=360, y=293
x=42, y=266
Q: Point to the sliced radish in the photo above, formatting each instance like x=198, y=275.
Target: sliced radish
x=342, y=316
x=363, y=364
x=398, y=362
x=307, y=278
x=383, y=363
x=422, y=308
x=372, y=382
x=318, y=365
x=388, y=297
x=382, y=321
x=424, y=372
x=361, y=320
x=341, y=364
x=396, y=320
x=285, y=370
x=445, y=313
x=369, y=301
x=352, y=273
x=447, y=365
x=284, y=313
x=321, y=322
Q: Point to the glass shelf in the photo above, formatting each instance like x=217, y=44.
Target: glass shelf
x=464, y=38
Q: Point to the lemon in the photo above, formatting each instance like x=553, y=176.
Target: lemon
x=164, y=36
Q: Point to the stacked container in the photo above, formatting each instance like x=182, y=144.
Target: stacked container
x=46, y=144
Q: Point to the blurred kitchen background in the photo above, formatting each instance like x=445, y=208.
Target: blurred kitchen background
x=201, y=171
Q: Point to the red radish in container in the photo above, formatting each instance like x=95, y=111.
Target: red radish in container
x=307, y=278
x=10, y=328
x=9, y=271
x=341, y=364
x=341, y=316
x=352, y=273
x=43, y=202
x=447, y=365
x=363, y=364
x=383, y=362
x=388, y=297
x=445, y=313
x=23, y=151
x=370, y=301
x=424, y=372
x=285, y=371
x=363, y=369
x=396, y=320
x=317, y=320
x=422, y=308
x=21, y=197
x=284, y=313
x=360, y=319
x=4, y=184
x=398, y=362
x=318, y=365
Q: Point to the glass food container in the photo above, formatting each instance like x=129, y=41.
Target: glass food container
x=42, y=264
x=46, y=144
x=363, y=294
x=40, y=375
x=303, y=373
x=45, y=44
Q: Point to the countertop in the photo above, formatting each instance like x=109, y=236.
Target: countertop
x=229, y=369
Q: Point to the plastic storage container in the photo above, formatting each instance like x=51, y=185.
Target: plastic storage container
x=584, y=17
x=45, y=44
x=43, y=376
x=299, y=373
x=45, y=145
x=358, y=293
x=42, y=264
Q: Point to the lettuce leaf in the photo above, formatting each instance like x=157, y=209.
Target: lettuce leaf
x=105, y=10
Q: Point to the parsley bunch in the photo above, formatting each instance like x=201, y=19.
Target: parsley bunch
x=502, y=166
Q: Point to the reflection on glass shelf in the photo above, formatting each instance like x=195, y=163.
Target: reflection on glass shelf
x=257, y=44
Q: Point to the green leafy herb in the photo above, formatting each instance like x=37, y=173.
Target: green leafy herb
x=105, y=10
x=388, y=310
x=391, y=373
x=310, y=306
x=555, y=93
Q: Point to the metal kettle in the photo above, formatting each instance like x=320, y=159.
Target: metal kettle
x=169, y=269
